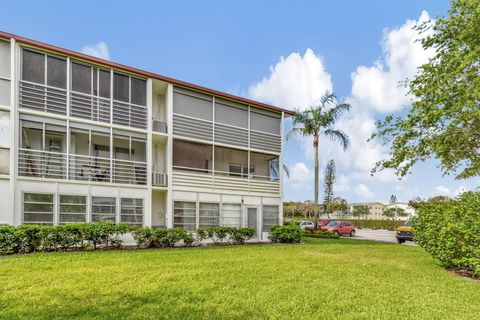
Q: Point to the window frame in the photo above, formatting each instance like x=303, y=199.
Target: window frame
x=208, y=217
x=60, y=204
x=93, y=213
x=53, y=212
x=135, y=207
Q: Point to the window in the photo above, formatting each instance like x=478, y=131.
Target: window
x=81, y=78
x=240, y=170
x=139, y=91
x=56, y=72
x=270, y=217
x=121, y=89
x=131, y=211
x=227, y=113
x=33, y=66
x=209, y=215
x=184, y=215
x=38, y=208
x=104, y=83
x=265, y=123
x=232, y=215
x=104, y=209
x=72, y=208
x=192, y=156
x=192, y=104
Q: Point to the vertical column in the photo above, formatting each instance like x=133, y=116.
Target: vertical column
x=68, y=121
x=111, y=122
x=213, y=142
x=15, y=131
x=248, y=160
x=280, y=170
x=148, y=211
x=169, y=164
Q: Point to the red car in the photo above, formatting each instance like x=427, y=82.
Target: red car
x=340, y=228
x=319, y=224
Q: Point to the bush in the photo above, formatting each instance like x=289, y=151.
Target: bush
x=376, y=224
x=450, y=231
x=9, y=241
x=286, y=234
x=320, y=234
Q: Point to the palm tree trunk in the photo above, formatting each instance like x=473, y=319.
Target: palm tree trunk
x=315, y=160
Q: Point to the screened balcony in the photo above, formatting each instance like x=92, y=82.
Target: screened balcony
x=44, y=87
x=198, y=165
x=43, y=153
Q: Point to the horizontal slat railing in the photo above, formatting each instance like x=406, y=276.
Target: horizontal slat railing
x=42, y=164
x=231, y=135
x=219, y=180
x=89, y=107
x=130, y=115
x=42, y=98
x=130, y=172
x=265, y=141
x=88, y=168
x=192, y=128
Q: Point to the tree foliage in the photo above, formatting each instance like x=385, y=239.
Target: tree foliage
x=360, y=210
x=444, y=120
x=328, y=186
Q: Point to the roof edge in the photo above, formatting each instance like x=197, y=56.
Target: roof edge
x=141, y=72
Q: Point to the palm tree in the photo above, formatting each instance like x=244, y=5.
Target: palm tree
x=318, y=120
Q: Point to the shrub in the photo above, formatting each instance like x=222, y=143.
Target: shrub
x=286, y=234
x=321, y=234
x=9, y=241
x=240, y=235
x=450, y=231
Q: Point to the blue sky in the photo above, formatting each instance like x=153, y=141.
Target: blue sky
x=281, y=52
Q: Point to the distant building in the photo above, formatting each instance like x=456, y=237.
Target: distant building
x=376, y=209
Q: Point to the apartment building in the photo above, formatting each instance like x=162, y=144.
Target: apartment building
x=84, y=139
x=376, y=209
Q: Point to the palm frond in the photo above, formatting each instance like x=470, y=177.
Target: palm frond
x=338, y=136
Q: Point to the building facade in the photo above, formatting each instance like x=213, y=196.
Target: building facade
x=84, y=140
x=376, y=210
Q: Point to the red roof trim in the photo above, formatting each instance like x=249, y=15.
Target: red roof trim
x=140, y=72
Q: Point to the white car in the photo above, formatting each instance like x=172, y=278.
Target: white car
x=307, y=225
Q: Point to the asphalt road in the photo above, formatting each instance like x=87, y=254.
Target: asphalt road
x=378, y=235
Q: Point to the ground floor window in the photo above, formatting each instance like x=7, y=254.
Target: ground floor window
x=131, y=211
x=209, y=215
x=72, y=209
x=38, y=208
x=270, y=217
x=231, y=215
x=184, y=215
x=104, y=209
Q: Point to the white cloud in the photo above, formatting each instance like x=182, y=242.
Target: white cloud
x=459, y=191
x=99, y=50
x=364, y=192
x=378, y=86
x=441, y=191
x=294, y=82
x=299, y=172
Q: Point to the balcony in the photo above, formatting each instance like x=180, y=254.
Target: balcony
x=46, y=164
x=42, y=98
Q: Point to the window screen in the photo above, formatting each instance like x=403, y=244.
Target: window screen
x=270, y=217
x=139, y=91
x=72, y=208
x=81, y=78
x=38, y=208
x=33, y=66
x=104, y=83
x=231, y=215
x=104, y=209
x=4, y=59
x=184, y=215
x=264, y=123
x=231, y=115
x=209, y=215
x=56, y=72
x=193, y=105
x=131, y=211
x=121, y=89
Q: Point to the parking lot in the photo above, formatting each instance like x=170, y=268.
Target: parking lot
x=378, y=235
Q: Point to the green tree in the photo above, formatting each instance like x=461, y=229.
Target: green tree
x=328, y=186
x=444, y=120
x=360, y=210
x=393, y=198
x=319, y=120
x=389, y=213
x=338, y=205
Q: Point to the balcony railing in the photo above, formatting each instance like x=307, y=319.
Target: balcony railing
x=46, y=164
x=223, y=181
x=42, y=98
x=54, y=100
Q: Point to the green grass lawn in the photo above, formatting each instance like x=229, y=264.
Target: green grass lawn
x=322, y=279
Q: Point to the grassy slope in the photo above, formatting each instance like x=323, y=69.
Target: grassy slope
x=342, y=279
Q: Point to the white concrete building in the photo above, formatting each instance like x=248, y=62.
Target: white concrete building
x=84, y=139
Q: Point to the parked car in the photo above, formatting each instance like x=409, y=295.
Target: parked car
x=321, y=223
x=340, y=228
x=405, y=232
x=307, y=225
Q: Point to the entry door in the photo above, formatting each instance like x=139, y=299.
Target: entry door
x=252, y=219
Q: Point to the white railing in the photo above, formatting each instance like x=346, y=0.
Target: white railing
x=129, y=114
x=42, y=164
x=192, y=127
x=42, y=98
x=89, y=107
x=185, y=177
x=46, y=164
x=130, y=172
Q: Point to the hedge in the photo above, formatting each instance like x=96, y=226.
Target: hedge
x=90, y=236
x=375, y=224
x=288, y=233
x=450, y=231
x=320, y=234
